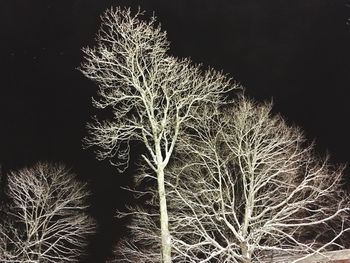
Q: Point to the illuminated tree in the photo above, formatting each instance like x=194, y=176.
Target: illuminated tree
x=150, y=93
x=47, y=220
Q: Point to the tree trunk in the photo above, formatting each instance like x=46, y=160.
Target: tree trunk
x=245, y=253
x=164, y=221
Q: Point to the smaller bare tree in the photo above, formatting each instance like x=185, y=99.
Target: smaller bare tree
x=245, y=188
x=47, y=216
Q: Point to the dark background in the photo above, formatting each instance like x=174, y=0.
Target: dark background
x=294, y=51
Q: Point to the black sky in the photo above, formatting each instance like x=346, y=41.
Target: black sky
x=294, y=51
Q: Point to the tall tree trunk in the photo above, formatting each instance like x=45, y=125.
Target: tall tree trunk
x=164, y=221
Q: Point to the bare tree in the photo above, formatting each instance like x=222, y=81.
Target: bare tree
x=246, y=188
x=150, y=93
x=47, y=219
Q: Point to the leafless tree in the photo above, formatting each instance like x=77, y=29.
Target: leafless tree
x=246, y=188
x=47, y=220
x=150, y=93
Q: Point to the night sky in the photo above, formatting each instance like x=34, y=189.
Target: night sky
x=296, y=52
